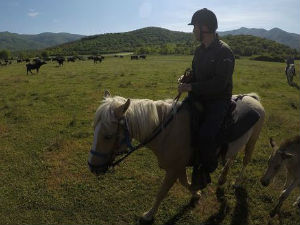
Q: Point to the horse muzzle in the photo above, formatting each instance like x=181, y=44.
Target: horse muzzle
x=98, y=169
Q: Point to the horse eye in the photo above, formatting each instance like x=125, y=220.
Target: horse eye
x=108, y=136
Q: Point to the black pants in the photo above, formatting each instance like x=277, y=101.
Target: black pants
x=207, y=144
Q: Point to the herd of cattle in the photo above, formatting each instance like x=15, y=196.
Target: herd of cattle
x=36, y=63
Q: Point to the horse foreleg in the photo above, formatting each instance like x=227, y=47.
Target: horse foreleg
x=282, y=197
x=183, y=179
x=170, y=178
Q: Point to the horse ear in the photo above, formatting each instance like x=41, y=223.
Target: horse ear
x=106, y=94
x=120, y=111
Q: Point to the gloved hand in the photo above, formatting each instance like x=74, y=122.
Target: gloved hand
x=186, y=77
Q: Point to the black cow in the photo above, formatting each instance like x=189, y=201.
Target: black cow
x=34, y=66
x=59, y=59
x=142, y=56
x=90, y=57
x=134, y=57
x=97, y=58
x=71, y=59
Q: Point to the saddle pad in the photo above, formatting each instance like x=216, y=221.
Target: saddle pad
x=242, y=118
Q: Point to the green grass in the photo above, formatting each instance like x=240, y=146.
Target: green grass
x=46, y=134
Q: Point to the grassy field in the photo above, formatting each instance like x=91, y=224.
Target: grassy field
x=46, y=134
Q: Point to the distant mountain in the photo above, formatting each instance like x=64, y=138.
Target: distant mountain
x=290, y=39
x=15, y=42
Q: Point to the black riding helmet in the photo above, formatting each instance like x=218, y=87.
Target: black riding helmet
x=205, y=17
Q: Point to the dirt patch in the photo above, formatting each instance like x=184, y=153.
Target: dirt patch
x=4, y=130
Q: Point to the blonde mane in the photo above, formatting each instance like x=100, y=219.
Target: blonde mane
x=142, y=116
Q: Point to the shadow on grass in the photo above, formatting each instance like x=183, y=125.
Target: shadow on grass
x=218, y=217
x=241, y=213
x=295, y=85
x=215, y=219
x=186, y=208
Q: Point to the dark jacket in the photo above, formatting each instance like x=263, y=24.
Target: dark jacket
x=212, y=70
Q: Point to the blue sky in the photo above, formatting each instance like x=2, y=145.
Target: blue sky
x=90, y=17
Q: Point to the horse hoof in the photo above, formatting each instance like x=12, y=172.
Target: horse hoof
x=272, y=213
x=144, y=221
x=195, y=201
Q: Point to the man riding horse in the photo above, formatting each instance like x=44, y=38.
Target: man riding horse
x=290, y=70
x=210, y=84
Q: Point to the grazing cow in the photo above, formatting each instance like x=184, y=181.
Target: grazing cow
x=71, y=59
x=27, y=60
x=288, y=154
x=97, y=59
x=134, y=57
x=37, y=60
x=33, y=66
x=19, y=60
x=290, y=72
x=142, y=56
x=59, y=59
x=90, y=57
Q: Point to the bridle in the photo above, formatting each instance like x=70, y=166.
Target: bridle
x=127, y=140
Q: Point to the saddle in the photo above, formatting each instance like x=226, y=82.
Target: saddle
x=239, y=119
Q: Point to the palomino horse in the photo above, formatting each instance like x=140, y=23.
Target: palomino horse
x=286, y=154
x=290, y=73
x=118, y=119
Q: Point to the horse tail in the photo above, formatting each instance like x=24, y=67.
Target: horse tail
x=254, y=95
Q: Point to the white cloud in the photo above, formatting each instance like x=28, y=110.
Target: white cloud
x=32, y=13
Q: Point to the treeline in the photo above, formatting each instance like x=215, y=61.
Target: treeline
x=259, y=48
x=153, y=40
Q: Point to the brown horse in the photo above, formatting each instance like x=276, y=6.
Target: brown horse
x=117, y=119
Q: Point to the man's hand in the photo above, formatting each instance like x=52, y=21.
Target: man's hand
x=182, y=87
x=180, y=79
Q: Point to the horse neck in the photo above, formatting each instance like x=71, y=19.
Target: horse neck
x=144, y=117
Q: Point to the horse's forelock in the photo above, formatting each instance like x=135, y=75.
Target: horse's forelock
x=105, y=111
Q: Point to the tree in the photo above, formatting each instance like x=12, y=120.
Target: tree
x=4, y=54
x=45, y=54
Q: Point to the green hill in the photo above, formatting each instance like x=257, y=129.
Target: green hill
x=158, y=40
x=122, y=42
